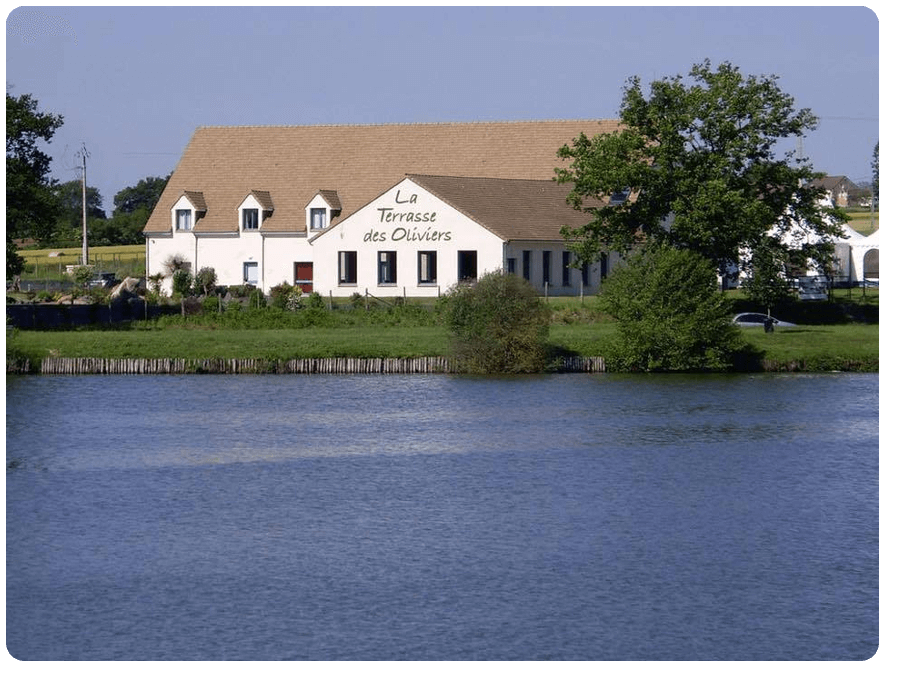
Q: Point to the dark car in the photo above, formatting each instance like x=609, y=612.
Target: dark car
x=758, y=320
x=103, y=279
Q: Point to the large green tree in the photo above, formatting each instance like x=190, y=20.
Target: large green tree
x=70, y=197
x=132, y=208
x=31, y=206
x=698, y=162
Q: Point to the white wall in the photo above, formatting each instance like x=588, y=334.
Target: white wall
x=407, y=220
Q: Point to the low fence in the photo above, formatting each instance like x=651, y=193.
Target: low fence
x=422, y=365
x=62, y=315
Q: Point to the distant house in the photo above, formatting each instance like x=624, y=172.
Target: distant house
x=839, y=190
x=384, y=209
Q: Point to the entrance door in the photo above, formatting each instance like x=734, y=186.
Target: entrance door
x=303, y=276
x=251, y=273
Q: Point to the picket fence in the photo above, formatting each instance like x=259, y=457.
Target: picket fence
x=421, y=365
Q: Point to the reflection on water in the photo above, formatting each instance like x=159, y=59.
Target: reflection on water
x=443, y=517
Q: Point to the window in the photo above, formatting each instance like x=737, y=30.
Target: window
x=548, y=258
x=183, y=219
x=317, y=218
x=526, y=265
x=387, y=267
x=427, y=267
x=566, y=274
x=346, y=267
x=604, y=266
x=511, y=266
x=251, y=273
x=468, y=265
x=250, y=219
x=620, y=197
x=586, y=274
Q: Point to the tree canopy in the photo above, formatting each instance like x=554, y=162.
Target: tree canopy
x=31, y=206
x=144, y=195
x=699, y=164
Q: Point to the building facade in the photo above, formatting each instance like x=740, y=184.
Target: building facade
x=386, y=210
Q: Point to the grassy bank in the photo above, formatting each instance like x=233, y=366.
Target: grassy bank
x=837, y=335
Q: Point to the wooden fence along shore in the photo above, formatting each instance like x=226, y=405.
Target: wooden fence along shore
x=423, y=365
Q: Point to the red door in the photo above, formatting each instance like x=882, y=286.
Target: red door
x=303, y=276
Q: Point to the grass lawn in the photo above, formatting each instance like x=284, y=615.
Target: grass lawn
x=823, y=340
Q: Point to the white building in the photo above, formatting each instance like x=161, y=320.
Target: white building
x=389, y=210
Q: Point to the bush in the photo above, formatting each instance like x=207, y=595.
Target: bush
x=499, y=324
x=670, y=314
x=205, y=281
x=280, y=294
x=181, y=283
x=257, y=299
x=316, y=300
x=211, y=304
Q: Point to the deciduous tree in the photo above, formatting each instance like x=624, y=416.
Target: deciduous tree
x=700, y=166
x=31, y=206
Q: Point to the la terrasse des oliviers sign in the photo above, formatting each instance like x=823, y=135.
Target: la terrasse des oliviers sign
x=402, y=223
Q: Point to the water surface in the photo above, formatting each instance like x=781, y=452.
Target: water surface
x=442, y=517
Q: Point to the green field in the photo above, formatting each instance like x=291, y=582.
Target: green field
x=863, y=221
x=39, y=264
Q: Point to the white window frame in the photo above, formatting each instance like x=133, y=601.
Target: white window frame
x=387, y=268
x=344, y=269
x=247, y=267
x=246, y=214
x=318, y=218
x=427, y=268
x=184, y=220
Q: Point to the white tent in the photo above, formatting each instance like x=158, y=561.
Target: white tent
x=857, y=256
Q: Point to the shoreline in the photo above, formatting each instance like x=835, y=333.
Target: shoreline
x=359, y=365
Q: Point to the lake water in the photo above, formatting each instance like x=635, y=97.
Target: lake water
x=434, y=517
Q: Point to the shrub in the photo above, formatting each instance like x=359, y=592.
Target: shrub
x=279, y=295
x=499, y=324
x=181, y=283
x=211, y=304
x=316, y=300
x=670, y=314
x=257, y=299
x=205, y=281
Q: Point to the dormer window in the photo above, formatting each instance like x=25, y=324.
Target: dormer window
x=250, y=219
x=254, y=210
x=322, y=209
x=188, y=211
x=317, y=218
x=183, y=219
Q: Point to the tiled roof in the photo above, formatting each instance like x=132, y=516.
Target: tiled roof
x=511, y=209
x=357, y=161
x=264, y=199
x=197, y=200
x=331, y=198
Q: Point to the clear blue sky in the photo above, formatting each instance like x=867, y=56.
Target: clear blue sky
x=134, y=83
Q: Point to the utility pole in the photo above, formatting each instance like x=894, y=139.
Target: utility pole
x=84, y=238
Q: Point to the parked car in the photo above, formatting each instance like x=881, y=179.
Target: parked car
x=103, y=279
x=758, y=320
